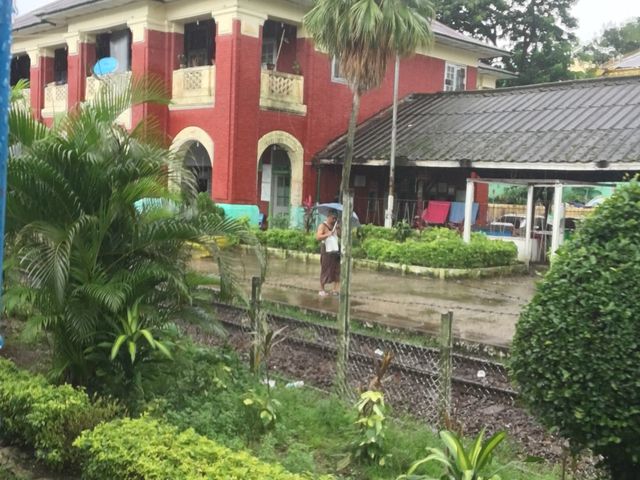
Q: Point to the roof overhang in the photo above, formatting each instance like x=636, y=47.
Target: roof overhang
x=481, y=49
x=499, y=73
x=555, y=166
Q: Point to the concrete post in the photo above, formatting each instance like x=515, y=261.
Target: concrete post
x=468, y=211
x=529, y=224
x=558, y=216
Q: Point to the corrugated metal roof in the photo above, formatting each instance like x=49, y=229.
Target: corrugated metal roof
x=631, y=60
x=580, y=122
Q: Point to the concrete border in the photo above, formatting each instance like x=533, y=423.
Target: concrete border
x=442, y=273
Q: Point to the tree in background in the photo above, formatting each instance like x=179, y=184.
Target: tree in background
x=483, y=19
x=576, y=350
x=537, y=33
x=363, y=35
x=614, y=42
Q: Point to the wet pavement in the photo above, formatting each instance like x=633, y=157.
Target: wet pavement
x=484, y=310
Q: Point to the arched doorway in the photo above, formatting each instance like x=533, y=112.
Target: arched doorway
x=280, y=170
x=274, y=172
x=197, y=161
x=197, y=147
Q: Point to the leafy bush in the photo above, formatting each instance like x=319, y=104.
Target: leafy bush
x=576, y=350
x=438, y=233
x=443, y=253
x=44, y=417
x=149, y=449
x=373, y=231
x=289, y=239
x=207, y=206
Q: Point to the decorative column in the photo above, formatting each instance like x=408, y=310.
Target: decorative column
x=41, y=73
x=238, y=55
x=81, y=51
x=151, y=50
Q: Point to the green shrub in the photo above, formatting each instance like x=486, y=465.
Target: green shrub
x=438, y=233
x=149, y=449
x=44, y=417
x=289, y=239
x=443, y=253
x=375, y=232
x=576, y=350
x=207, y=206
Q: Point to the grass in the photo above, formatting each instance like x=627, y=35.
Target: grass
x=313, y=432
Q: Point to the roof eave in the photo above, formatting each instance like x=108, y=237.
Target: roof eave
x=483, y=51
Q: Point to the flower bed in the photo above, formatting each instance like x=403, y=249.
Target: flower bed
x=435, y=248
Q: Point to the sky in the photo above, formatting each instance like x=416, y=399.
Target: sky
x=593, y=15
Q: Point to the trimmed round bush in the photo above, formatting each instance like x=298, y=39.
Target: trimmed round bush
x=576, y=352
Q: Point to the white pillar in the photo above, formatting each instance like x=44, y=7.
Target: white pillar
x=558, y=215
x=529, y=224
x=468, y=211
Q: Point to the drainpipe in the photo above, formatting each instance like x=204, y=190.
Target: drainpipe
x=318, y=174
x=388, y=218
x=5, y=61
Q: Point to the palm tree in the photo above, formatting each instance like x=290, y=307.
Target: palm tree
x=107, y=277
x=363, y=35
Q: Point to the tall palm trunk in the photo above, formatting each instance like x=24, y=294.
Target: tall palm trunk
x=344, y=310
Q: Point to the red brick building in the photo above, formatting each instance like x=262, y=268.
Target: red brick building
x=253, y=100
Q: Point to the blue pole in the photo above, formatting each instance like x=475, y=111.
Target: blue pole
x=5, y=62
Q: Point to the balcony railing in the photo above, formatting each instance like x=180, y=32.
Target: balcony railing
x=282, y=91
x=25, y=101
x=194, y=86
x=55, y=100
x=95, y=84
x=119, y=81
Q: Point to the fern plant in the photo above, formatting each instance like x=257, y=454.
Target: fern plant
x=460, y=463
x=87, y=255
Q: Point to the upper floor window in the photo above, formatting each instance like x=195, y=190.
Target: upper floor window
x=455, y=77
x=60, y=66
x=269, y=51
x=116, y=44
x=336, y=74
x=20, y=68
x=199, y=43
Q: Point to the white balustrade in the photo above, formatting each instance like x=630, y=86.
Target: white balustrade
x=55, y=100
x=194, y=86
x=282, y=91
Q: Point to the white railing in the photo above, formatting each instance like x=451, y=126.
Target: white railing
x=55, y=99
x=95, y=84
x=120, y=81
x=282, y=91
x=194, y=86
x=25, y=101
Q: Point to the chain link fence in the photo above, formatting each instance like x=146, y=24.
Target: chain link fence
x=426, y=382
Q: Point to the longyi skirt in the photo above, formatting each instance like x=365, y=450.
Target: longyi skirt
x=329, y=266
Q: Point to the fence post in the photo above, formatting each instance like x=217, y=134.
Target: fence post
x=254, y=316
x=445, y=366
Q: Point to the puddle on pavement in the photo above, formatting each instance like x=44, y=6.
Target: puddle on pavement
x=397, y=300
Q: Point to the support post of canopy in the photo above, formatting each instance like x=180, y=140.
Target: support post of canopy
x=558, y=216
x=529, y=223
x=468, y=210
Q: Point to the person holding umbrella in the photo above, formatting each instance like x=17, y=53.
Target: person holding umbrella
x=328, y=234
